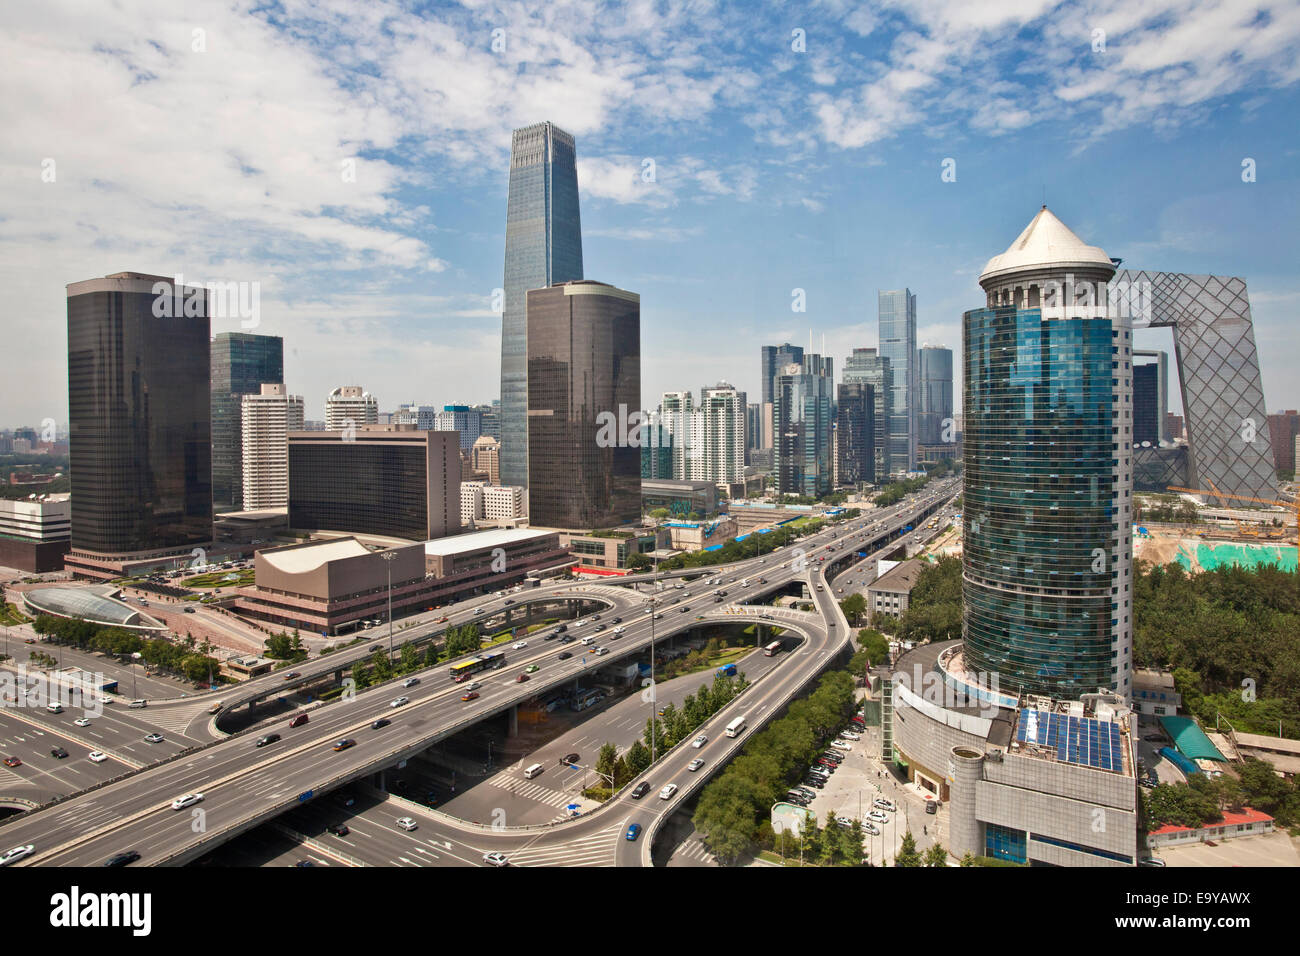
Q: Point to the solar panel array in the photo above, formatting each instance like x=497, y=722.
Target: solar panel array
x=1080, y=740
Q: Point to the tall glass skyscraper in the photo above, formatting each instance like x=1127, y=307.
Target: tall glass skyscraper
x=935, y=394
x=855, y=430
x=543, y=247
x=1046, y=567
x=241, y=364
x=898, y=344
x=865, y=367
x=802, y=397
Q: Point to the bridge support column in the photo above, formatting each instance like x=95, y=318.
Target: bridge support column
x=338, y=676
x=379, y=779
x=512, y=727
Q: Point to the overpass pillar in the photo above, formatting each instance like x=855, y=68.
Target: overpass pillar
x=379, y=779
x=338, y=676
x=512, y=727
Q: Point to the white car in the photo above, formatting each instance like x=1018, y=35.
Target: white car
x=850, y=735
x=474, y=685
x=871, y=828
x=495, y=859
x=106, y=700
x=400, y=701
x=82, y=721
x=519, y=645
x=17, y=853
x=98, y=756
x=667, y=792
x=406, y=823
x=878, y=816
x=410, y=682
x=618, y=630
x=884, y=804
x=700, y=741
x=180, y=803
x=695, y=764
x=841, y=745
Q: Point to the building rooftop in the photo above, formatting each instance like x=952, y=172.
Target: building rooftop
x=92, y=604
x=1045, y=242
x=1247, y=815
x=475, y=540
x=900, y=578
x=301, y=558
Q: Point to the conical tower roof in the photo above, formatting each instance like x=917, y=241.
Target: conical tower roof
x=1046, y=243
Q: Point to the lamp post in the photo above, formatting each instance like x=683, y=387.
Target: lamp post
x=389, y=556
x=654, y=688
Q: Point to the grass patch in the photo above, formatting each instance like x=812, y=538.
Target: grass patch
x=10, y=615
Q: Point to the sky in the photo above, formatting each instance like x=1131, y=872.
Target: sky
x=349, y=162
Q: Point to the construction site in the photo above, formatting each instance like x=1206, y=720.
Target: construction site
x=1206, y=537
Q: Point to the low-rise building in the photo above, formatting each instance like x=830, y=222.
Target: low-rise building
x=35, y=533
x=1154, y=694
x=610, y=550
x=698, y=535
x=679, y=498
x=1247, y=822
x=891, y=592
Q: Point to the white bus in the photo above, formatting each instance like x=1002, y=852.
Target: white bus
x=736, y=726
x=772, y=649
x=532, y=771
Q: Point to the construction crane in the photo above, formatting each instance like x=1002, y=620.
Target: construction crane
x=1291, y=506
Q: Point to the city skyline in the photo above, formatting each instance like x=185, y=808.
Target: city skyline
x=412, y=250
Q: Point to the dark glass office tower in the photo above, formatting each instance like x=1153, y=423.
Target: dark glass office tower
x=140, y=415
x=241, y=364
x=866, y=367
x=773, y=358
x=1046, y=565
x=935, y=402
x=584, y=383
x=543, y=246
x=802, y=396
x=1146, y=426
x=855, y=431
x=898, y=344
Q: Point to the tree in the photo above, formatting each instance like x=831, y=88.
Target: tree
x=638, y=758
x=907, y=854
x=935, y=856
x=638, y=562
x=874, y=643
x=409, y=660
x=854, y=606
x=606, y=759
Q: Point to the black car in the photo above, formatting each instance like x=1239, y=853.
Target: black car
x=600, y=627
x=561, y=629
x=268, y=739
x=814, y=782
x=617, y=620
x=549, y=635
x=188, y=610
x=381, y=722
x=595, y=617
x=567, y=639
x=58, y=752
x=640, y=790
x=122, y=859
x=340, y=829
x=931, y=806
x=717, y=600
x=564, y=655
x=570, y=758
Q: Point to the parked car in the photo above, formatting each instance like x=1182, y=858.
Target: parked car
x=878, y=816
x=884, y=804
x=932, y=806
x=13, y=762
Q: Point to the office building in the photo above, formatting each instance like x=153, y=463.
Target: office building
x=680, y=498
x=802, y=399
x=241, y=364
x=1047, y=578
x=486, y=457
x=350, y=407
x=898, y=344
x=140, y=417
x=584, y=392
x=934, y=405
x=543, y=248
x=463, y=419
x=855, y=434
x=423, y=417
x=502, y=503
x=1283, y=428
x=773, y=358
x=390, y=481
x=867, y=367
x=489, y=419
x=35, y=533
x=1150, y=397
x=268, y=418
x=753, y=430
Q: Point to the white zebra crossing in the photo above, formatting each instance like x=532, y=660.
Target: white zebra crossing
x=596, y=850
x=174, y=720
x=533, y=791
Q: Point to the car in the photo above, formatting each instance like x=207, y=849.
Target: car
x=521, y=678
x=870, y=828
x=180, y=803
x=849, y=735
x=695, y=764
x=299, y=720
x=617, y=620
x=807, y=792
x=30, y=640
x=700, y=741
x=601, y=650
x=266, y=739
x=443, y=619
x=1150, y=861
x=410, y=682
x=82, y=721
x=595, y=617
x=305, y=863
x=633, y=831
x=598, y=627
x=375, y=647
x=817, y=782
x=640, y=790
x=474, y=685
x=496, y=859
x=878, y=816
x=13, y=762
x=683, y=609
x=399, y=701
x=407, y=824
x=519, y=645
x=884, y=804
x=931, y=806
x=617, y=632
x=567, y=639
x=291, y=675
x=122, y=859
x=154, y=739
x=667, y=792
x=17, y=853
x=841, y=745
x=339, y=829
x=98, y=756
x=344, y=744
x=472, y=695
x=510, y=600
x=717, y=600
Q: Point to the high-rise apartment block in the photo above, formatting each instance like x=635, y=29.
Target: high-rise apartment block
x=268, y=418
x=584, y=393
x=717, y=436
x=543, y=247
x=349, y=407
x=241, y=364
x=485, y=456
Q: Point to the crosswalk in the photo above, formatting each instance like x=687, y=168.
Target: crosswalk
x=695, y=852
x=535, y=792
x=596, y=850
x=174, y=719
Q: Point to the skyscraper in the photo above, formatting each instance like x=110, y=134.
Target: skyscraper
x=140, y=419
x=676, y=410
x=934, y=406
x=1047, y=578
x=543, y=247
x=718, y=436
x=241, y=364
x=267, y=418
x=584, y=389
x=1150, y=397
x=801, y=403
x=772, y=359
x=866, y=367
x=855, y=433
x=463, y=419
x=350, y=407
x=898, y=344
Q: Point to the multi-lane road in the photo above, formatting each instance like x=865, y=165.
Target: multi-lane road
x=245, y=785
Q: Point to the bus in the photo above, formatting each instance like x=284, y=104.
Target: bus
x=736, y=726
x=772, y=649
x=483, y=662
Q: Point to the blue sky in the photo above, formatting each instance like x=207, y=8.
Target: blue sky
x=218, y=154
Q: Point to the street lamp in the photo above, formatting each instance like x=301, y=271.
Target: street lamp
x=389, y=557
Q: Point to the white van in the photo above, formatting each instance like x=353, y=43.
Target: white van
x=139, y=703
x=532, y=771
